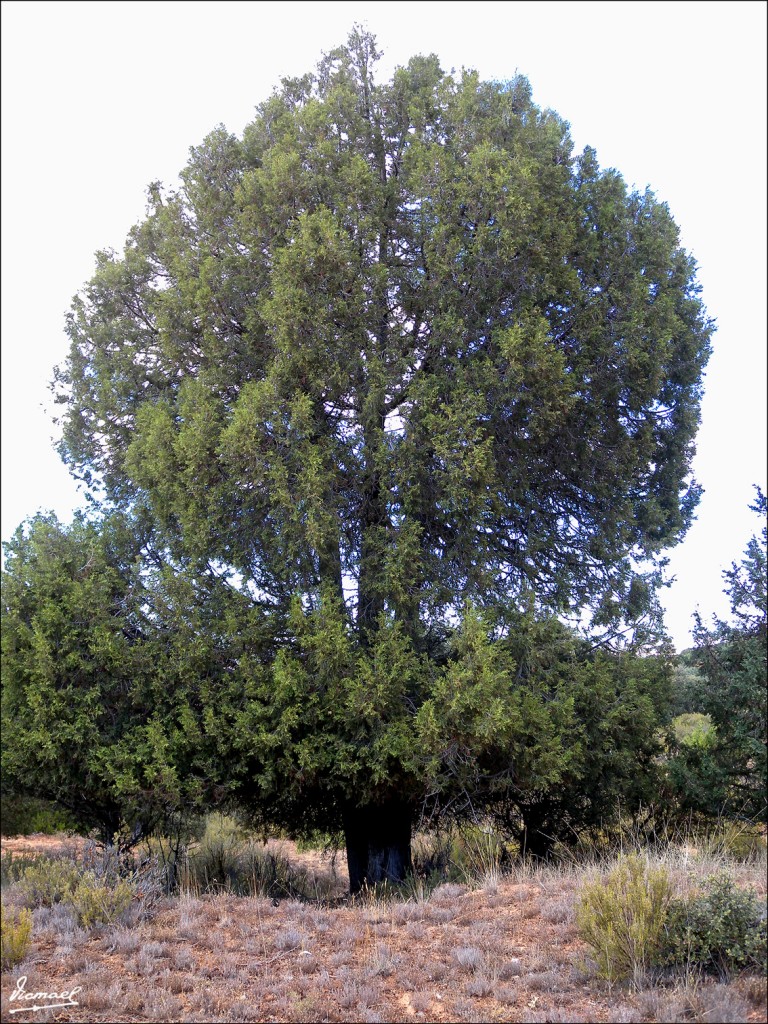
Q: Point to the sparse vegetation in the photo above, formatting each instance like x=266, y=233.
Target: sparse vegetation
x=460, y=951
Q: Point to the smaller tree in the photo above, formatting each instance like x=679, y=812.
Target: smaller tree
x=98, y=711
x=606, y=707
x=727, y=773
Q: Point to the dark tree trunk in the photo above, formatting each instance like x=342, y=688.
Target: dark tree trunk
x=378, y=842
x=535, y=840
x=373, y=520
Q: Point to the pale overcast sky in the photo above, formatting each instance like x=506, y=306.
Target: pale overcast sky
x=99, y=99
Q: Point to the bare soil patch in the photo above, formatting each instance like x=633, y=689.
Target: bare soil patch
x=42, y=845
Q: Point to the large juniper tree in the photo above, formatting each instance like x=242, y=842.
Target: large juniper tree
x=396, y=358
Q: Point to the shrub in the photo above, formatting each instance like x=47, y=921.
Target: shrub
x=46, y=881
x=13, y=867
x=148, y=877
x=470, y=958
x=480, y=985
x=316, y=839
x=622, y=917
x=478, y=854
x=15, y=935
x=719, y=930
x=742, y=842
x=97, y=903
x=694, y=730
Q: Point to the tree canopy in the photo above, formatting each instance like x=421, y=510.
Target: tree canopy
x=137, y=694
x=398, y=363
x=400, y=342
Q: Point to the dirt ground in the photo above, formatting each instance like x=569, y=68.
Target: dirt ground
x=506, y=952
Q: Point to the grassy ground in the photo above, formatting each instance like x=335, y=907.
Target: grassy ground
x=499, y=947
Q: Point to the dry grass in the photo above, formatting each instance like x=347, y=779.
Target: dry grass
x=504, y=951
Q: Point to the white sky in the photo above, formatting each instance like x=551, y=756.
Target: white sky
x=100, y=98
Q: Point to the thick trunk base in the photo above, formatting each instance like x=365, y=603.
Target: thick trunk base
x=378, y=844
x=535, y=838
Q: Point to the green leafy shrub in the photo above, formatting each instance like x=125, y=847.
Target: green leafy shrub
x=46, y=881
x=15, y=935
x=622, y=917
x=719, y=930
x=693, y=729
x=95, y=902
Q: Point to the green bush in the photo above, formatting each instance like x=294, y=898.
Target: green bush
x=622, y=917
x=694, y=730
x=46, y=881
x=13, y=867
x=15, y=935
x=719, y=930
x=23, y=816
x=95, y=902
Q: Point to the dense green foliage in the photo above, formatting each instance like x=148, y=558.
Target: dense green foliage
x=721, y=930
x=609, y=738
x=687, y=685
x=528, y=726
x=396, y=377
x=131, y=696
x=21, y=816
x=96, y=709
x=726, y=772
x=400, y=343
